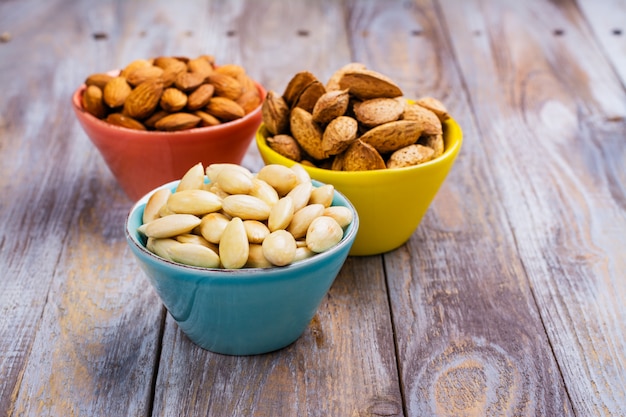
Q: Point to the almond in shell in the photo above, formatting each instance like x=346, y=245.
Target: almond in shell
x=429, y=121
x=435, y=106
x=330, y=105
x=275, y=113
x=296, y=86
x=435, y=142
x=339, y=134
x=310, y=96
x=307, y=133
x=392, y=136
x=361, y=156
x=366, y=84
x=285, y=145
x=410, y=155
x=377, y=111
x=333, y=81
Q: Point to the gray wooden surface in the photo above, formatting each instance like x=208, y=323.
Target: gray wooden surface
x=508, y=300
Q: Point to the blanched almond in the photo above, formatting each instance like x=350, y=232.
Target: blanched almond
x=256, y=231
x=303, y=218
x=323, y=233
x=279, y=247
x=197, y=202
x=169, y=226
x=195, y=255
x=212, y=226
x=246, y=207
x=278, y=176
x=157, y=200
x=234, y=247
x=281, y=214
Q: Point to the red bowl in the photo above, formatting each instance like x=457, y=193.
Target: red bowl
x=143, y=160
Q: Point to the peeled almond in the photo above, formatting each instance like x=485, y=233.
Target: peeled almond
x=234, y=247
x=323, y=233
x=169, y=226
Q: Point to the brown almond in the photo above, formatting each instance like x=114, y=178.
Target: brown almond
x=138, y=63
x=172, y=71
x=275, y=113
x=367, y=84
x=173, y=100
x=232, y=70
x=200, y=65
x=330, y=105
x=189, y=81
x=143, y=100
x=116, y=91
x=339, y=134
x=307, y=133
x=166, y=61
x=296, y=86
x=200, y=97
x=225, y=109
x=207, y=119
x=177, y=121
x=428, y=120
x=285, y=145
x=118, y=119
x=154, y=117
x=249, y=100
x=141, y=74
x=225, y=86
x=361, y=156
x=392, y=136
x=93, y=102
x=376, y=111
x=99, y=80
x=410, y=155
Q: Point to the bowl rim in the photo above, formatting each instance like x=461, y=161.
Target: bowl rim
x=243, y=273
x=450, y=152
x=79, y=109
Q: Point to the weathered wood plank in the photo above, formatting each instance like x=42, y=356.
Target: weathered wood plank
x=344, y=364
x=79, y=331
x=607, y=19
x=470, y=340
x=539, y=84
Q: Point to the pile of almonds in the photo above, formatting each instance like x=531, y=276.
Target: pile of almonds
x=171, y=93
x=359, y=120
x=242, y=220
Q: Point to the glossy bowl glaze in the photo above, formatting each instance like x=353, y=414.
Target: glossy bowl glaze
x=243, y=311
x=143, y=160
x=390, y=202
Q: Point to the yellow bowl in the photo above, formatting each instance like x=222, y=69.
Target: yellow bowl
x=390, y=202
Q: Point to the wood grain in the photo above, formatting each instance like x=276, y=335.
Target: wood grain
x=507, y=300
x=557, y=102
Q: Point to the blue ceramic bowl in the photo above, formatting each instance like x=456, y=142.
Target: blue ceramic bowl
x=244, y=311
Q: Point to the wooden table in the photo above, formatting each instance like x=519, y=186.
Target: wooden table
x=508, y=299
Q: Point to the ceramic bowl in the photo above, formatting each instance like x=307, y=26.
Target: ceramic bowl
x=143, y=160
x=241, y=311
x=390, y=202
